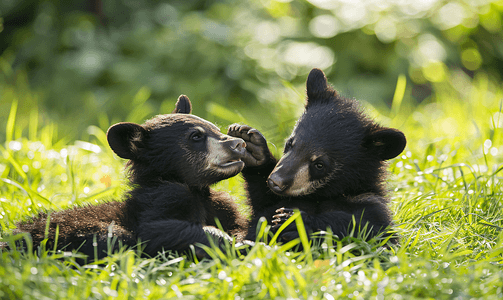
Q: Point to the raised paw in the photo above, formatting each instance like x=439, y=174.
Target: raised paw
x=282, y=214
x=290, y=232
x=257, y=153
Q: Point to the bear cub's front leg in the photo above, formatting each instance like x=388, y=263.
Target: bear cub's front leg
x=259, y=162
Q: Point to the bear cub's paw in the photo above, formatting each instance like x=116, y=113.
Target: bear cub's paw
x=257, y=152
x=290, y=232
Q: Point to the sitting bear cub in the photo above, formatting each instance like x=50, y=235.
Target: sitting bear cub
x=332, y=168
x=173, y=159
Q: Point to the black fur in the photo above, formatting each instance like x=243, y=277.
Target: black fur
x=173, y=159
x=332, y=169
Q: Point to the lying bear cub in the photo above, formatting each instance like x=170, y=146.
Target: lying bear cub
x=173, y=159
x=332, y=168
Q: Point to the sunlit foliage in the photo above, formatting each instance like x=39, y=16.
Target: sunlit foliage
x=429, y=68
x=99, y=56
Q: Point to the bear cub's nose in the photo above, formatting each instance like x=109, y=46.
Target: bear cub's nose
x=276, y=183
x=238, y=145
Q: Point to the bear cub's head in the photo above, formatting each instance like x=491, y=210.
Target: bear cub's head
x=177, y=147
x=335, y=149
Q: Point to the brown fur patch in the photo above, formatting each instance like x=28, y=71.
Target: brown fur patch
x=79, y=221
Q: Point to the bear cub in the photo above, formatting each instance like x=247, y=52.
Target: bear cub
x=332, y=168
x=173, y=160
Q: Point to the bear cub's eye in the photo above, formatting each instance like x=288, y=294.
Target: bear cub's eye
x=288, y=145
x=196, y=136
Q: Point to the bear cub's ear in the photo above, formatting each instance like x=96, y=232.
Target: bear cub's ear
x=316, y=84
x=125, y=139
x=183, y=105
x=387, y=143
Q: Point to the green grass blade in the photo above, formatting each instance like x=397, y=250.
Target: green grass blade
x=29, y=192
x=33, y=123
x=19, y=170
x=283, y=226
x=399, y=94
x=11, y=120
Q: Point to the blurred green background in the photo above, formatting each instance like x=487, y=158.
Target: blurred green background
x=90, y=62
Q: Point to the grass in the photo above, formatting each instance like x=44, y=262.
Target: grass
x=446, y=193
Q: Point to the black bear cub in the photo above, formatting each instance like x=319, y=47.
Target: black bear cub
x=173, y=159
x=332, y=168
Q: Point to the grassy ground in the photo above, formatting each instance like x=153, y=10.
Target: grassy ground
x=446, y=193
